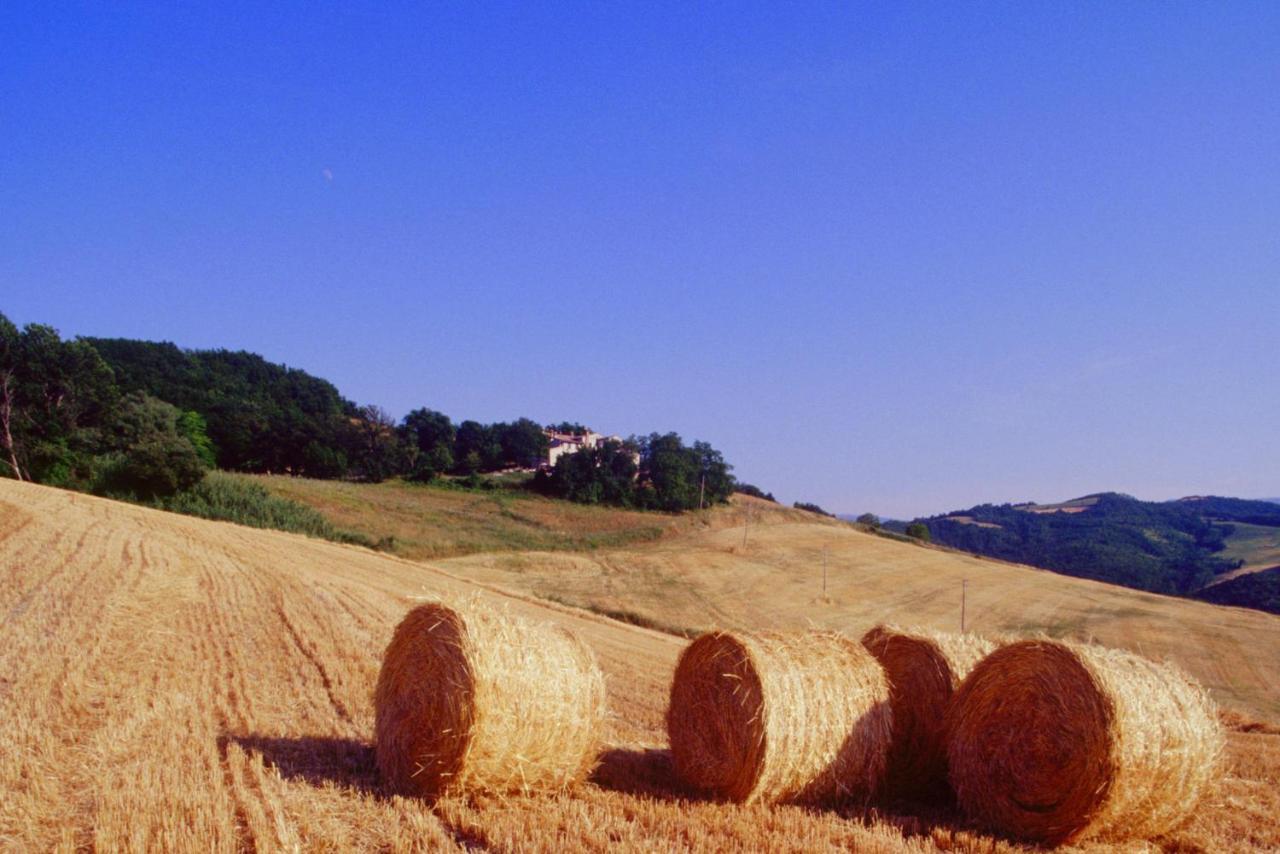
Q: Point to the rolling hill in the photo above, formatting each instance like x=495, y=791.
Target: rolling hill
x=179, y=684
x=1179, y=546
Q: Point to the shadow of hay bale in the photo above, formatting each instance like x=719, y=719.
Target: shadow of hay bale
x=318, y=760
x=643, y=772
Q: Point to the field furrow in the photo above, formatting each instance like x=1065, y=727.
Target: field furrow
x=180, y=685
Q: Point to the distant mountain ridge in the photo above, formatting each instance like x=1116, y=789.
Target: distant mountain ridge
x=1163, y=546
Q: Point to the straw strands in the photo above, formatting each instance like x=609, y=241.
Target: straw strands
x=924, y=668
x=774, y=717
x=1057, y=742
x=471, y=699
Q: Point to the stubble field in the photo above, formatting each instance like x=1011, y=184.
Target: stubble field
x=170, y=683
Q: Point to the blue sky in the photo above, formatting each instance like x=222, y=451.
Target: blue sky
x=900, y=257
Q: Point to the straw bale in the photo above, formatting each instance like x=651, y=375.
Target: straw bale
x=470, y=699
x=924, y=668
x=779, y=717
x=1058, y=742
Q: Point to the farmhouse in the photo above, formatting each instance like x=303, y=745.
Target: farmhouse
x=560, y=443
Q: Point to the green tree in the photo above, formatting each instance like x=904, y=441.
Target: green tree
x=54, y=397
x=376, y=449
x=149, y=454
x=196, y=430
x=429, y=438
x=475, y=448
x=871, y=520
x=523, y=443
x=919, y=531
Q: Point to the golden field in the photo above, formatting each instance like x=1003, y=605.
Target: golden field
x=168, y=683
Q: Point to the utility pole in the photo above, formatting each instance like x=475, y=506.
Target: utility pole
x=964, y=586
x=824, y=572
x=702, y=490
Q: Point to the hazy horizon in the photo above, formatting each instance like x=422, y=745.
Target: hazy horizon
x=884, y=260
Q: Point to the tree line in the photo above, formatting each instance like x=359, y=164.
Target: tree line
x=148, y=419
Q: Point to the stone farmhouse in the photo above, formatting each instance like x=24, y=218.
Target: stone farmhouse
x=559, y=444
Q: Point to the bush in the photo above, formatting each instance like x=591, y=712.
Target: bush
x=228, y=498
x=152, y=450
x=919, y=531
x=754, y=491
x=812, y=508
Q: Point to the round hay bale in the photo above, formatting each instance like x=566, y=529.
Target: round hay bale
x=772, y=717
x=924, y=668
x=470, y=699
x=1058, y=742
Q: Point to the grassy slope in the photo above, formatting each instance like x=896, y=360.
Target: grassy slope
x=436, y=521
x=1257, y=545
x=169, y=682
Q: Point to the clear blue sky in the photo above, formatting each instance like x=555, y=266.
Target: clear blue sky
x=900, y=257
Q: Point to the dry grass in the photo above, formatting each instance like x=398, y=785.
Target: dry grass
x=473, y=700
x=1056, y=742
x=704, y=579
x=798, y=717
x=923, y=668
x=423, y=522
x=173, y=684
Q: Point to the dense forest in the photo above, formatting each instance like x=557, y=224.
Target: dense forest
x=1260, y=590
x=146, y=420
x=1165, y=547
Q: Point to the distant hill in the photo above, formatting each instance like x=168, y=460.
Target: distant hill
x=1174, y=547
x=1260, y=590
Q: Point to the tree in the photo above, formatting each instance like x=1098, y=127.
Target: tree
x=716, y=484
x=196, y=430
x=871, y=520
x=149, y=456
x=523, y=443
x=605, y=474
x=429, y=438
x=54, y=397
x=475, y=449
x=919, y=531
x=376, y=447
x=9, y=348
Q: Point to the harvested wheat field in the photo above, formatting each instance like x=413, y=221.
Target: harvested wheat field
x=173, y=684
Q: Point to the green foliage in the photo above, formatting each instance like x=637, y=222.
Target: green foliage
x=193, y=427
x=149, y=454
x=919, y=531
x=1259, y=590
x=235, y=410
x=1166, y=547
x=259, y=416
x=226, y=497
x=657, y=472
x=429, y=438
x=377, y=452
x=605, y=474
x=55, y=396
x=871, y=520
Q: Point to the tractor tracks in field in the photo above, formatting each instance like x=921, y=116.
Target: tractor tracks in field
x=310, y=654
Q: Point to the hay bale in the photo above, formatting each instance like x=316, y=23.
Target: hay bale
x=470, y=699
x=924, y=668
x=772, y=717
x=1058, y=742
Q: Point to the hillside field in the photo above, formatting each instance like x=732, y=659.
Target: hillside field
x=169, y=683
x=1257, y=545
